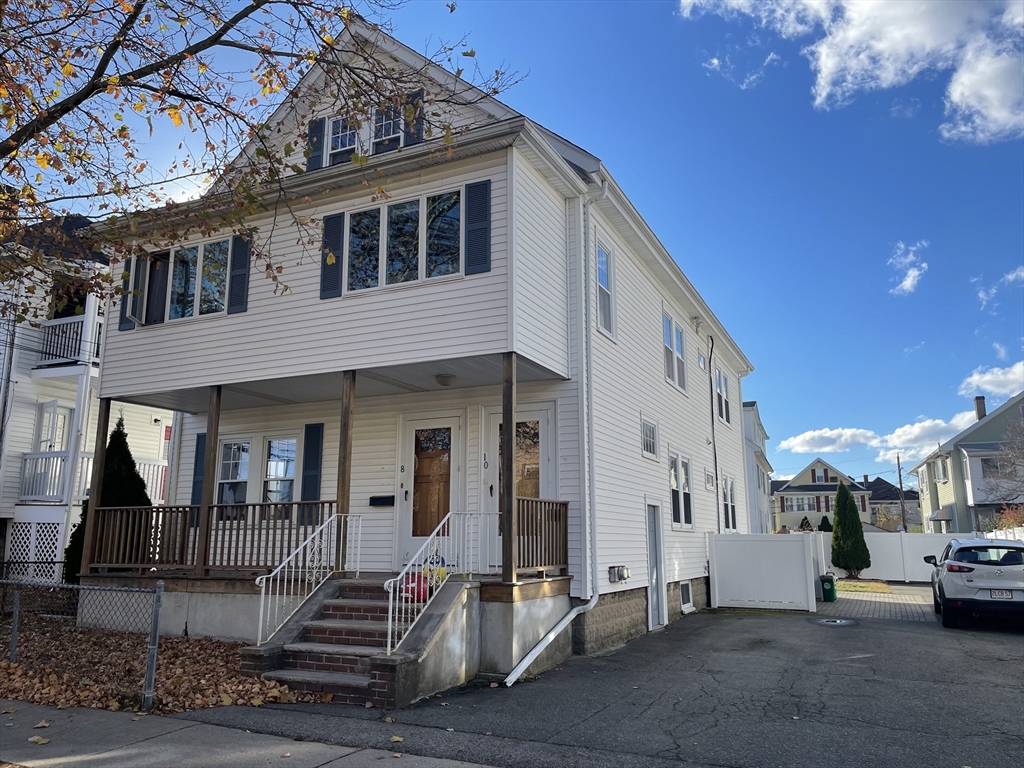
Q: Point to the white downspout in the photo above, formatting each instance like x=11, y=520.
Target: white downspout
x=556, y=630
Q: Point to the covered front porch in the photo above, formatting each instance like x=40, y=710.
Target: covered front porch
x=404, y=472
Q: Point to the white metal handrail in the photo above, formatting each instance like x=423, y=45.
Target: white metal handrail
x=455, y=546
x=287, y=587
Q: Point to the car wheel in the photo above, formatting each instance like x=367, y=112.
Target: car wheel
x=936, y=605
x=949, y=617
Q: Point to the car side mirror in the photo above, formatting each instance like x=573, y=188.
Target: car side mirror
x=930, y=559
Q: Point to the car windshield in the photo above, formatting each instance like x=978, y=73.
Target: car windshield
x=994, y=555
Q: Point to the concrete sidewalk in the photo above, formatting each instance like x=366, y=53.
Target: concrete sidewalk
x=90, y=738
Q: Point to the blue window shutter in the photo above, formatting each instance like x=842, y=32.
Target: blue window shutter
x=312, y=459
x=330, y=274
x=238, y=270
x=414, y=127
x=123, y=323
x=315, y=145
x=197, y=478
x=478, y=227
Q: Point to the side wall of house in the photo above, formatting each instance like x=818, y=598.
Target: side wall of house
x=293, y=331
x=541, y=288
x=630, y=385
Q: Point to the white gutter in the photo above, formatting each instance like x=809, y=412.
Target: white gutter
x=587, y=346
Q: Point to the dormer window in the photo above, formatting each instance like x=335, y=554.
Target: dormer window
x=343, y=140
x=387, y=129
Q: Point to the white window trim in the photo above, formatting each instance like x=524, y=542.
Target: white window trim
x=221, y=442
x=611, y=332
x=357, y=147
x=656, y=456
x=687, y=607
x=709, y=480
x=398, y=121
x=722, y=375
x=942, y=470
x=201, y=245
x=382, y=256
x=675, y=330
x=296, y=477
x=257, y=460
x=682, y=525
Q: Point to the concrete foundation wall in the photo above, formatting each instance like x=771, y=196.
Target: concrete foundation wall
x=508, y=631
x=617, y=618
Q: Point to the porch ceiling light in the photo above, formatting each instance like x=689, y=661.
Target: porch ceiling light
x=445, y=379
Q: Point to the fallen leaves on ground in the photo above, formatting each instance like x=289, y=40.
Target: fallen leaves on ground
x=41, y=724
x=396, y=739
x=64, y=666
x=38, y=740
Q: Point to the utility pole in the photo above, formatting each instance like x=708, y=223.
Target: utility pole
x=903, y=505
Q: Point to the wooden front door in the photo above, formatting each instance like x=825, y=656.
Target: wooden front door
x=428, y=479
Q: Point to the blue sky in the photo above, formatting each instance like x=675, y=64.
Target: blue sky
x=798, y=176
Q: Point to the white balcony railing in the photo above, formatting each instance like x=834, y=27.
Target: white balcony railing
x=43, y=476
x=70, y=340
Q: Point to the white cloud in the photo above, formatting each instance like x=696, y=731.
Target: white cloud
x=913, y=349
x=905, y=109
x=783, y=477
x=828, y=440
x=987, y=295
x=1017, y=276
x=870, y=45
x=995, y=381
x=714, y=64
x=905, y=260
x=1001, y=352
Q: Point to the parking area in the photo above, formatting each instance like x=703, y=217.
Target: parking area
x=910, y=602
x=743, y=690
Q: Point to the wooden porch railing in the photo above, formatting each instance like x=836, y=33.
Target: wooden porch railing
x=542, y=537
x=141, y=538
x=243, y=537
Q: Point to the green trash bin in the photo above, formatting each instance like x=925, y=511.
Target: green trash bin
x=828, y=587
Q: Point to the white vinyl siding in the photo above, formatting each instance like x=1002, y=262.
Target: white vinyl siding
x=541, y=269
x=293, y=332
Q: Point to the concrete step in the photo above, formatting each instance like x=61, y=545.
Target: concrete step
x=347, y=688
x=345, y=632
x=323, y=657
x=355, y=609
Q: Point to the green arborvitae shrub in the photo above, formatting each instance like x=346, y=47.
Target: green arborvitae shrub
x=849, y=550
x=123, y=486
x=825, y=525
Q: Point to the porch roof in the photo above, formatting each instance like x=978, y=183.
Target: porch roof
x=477, y=371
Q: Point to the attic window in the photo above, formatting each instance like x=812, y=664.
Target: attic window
x=343, y=140
x=387, y=129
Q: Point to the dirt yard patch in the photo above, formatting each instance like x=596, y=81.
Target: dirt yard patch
x=856, y=585
x=62, y=665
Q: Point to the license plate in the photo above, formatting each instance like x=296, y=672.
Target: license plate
x=1002, y=594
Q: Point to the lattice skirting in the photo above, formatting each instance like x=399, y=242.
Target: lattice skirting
x=33, y=549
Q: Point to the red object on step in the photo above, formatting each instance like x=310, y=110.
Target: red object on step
x=415, y=588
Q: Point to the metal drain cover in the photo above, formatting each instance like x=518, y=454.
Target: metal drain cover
x=836, y=622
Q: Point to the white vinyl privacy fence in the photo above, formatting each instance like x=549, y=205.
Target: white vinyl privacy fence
x=781, y=571
x=1013, y=534
x=762, y=571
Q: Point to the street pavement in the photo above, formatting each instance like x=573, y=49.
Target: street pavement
x=730, y=690
x=95, y=738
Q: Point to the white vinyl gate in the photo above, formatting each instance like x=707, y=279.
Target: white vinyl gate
x=762, y=571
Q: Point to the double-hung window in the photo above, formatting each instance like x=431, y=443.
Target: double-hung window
x=675, y=360
x=679, y=484
x=819, y=475
x=344, y=140
x=405, y=242
x=279, y=476
x=387, y=129
x=722, y=389
x=649, y=438
x=199, y=279
x=732, y=504
x=726, y=519
x=234, y=477
x=604, y=290
x=942, y=470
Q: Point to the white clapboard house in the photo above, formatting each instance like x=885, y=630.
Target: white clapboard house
x=354, y=425
x=48, y=410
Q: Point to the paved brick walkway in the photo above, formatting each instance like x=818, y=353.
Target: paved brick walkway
x=908, y=604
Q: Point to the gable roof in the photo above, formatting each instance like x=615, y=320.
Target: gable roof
x=949, y=445
x=850, y=483
x=882, y=490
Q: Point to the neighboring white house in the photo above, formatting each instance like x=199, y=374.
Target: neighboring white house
x=529, y=282
x=759, y=470
x=958, y=481
x=48, y=396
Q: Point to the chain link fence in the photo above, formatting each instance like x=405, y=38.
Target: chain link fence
x=98, y=641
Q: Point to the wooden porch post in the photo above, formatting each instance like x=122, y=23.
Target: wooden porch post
x=348, y=405
x=209, y=482
x=509, y=532
x=99, y=460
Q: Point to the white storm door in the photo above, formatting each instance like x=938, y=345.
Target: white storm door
x=429, y=480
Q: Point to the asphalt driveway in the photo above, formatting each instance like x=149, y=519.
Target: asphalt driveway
x=737, y=690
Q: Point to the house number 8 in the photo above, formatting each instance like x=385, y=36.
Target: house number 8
x=403, y=468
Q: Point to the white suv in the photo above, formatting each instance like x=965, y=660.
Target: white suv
x=978, y=576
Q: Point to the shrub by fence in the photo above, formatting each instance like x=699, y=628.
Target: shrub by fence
x=99, y=643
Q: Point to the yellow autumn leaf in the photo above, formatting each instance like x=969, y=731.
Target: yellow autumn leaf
x=39, y=740
x=175, y=114
x=330, y=259
x=113, y=80
x=67, y=69
x=43, y=160
x=396, y=739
